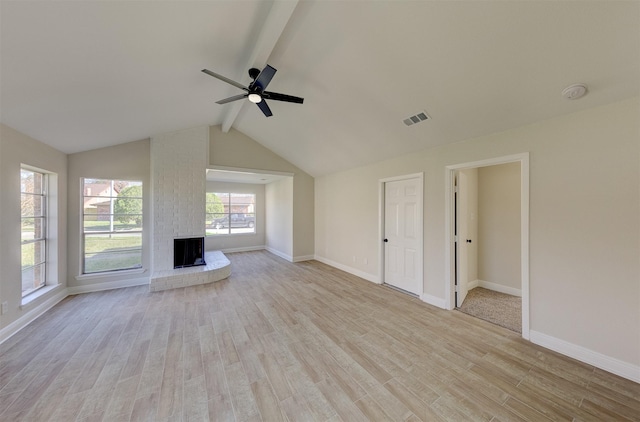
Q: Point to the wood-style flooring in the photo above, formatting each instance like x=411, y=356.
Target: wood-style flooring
x=294, y=342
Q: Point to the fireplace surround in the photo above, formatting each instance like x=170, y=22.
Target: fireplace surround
x=178, y=167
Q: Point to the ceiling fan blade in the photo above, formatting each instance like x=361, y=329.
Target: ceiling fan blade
x=265, y=108
x=264, y=77
x=234, y=98
x=225, y=79
x=283, y=97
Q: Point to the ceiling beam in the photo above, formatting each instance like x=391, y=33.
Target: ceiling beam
x=272, y=29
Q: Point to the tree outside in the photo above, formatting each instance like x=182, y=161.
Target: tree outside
x=128, y=205
x=214, y=211
x=214, y=204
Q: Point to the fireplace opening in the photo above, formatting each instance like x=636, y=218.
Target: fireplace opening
x=188, y=252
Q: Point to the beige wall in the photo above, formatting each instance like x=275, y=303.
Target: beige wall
x=234, y=149
x=16, y=149
x=279, y=204
x=130, y=161
x=584, y=221
x=243, y=241
x=346, y=220
x=499, y=225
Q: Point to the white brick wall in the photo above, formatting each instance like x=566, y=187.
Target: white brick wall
x=178, y=165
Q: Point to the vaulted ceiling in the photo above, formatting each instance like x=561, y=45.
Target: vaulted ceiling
x=84, y=75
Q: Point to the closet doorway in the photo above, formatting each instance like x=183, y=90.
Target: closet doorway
x=488, y=240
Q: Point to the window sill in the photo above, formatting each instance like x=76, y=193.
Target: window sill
x=37, y=294
x=109, y=274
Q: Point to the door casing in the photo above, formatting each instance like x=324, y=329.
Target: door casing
x=450, y=263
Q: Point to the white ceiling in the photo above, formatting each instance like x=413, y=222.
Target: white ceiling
x=84, y=75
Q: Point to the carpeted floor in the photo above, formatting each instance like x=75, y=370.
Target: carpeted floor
x=498, y=308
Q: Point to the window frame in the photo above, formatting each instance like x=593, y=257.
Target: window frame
x=43, y=195
x=227, y=214
x=112, y=197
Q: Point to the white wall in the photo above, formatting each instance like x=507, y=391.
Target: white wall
x=16, y=149
x=128, y=161
x=243, y=241
x=499, y=225
x=584, y=223
x=279, y=218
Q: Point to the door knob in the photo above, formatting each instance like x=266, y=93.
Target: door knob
x=386, y=240
x=468, y=240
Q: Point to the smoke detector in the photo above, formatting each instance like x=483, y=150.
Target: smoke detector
x=575, y=91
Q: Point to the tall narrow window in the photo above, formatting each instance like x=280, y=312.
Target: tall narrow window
x=33, y=204
x=112, y=222
x=230, y=213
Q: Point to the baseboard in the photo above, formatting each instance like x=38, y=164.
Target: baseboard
x=31, y=315
x=244, y=249
x=433, y=300
x=303, y=258
x=496, y=287
x=273, y=251
x=98, y=287
x=606, y=363
x=369, y=277
x=280, y=254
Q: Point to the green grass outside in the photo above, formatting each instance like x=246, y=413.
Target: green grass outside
x=93, y=226
x=111, y=252
x=103, y=252
x=103, y=243
x=99, y=263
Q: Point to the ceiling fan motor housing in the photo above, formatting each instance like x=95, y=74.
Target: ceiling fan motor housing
x=253, y=73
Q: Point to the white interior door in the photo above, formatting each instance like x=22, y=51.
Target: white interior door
x=403, y=234
x=462, y=234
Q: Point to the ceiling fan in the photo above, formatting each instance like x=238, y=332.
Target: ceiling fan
x=256, y=90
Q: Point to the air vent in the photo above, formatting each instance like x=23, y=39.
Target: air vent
x=420, y=117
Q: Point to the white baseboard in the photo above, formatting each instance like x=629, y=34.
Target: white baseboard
x=279, y=253
x=31, y=315
x=369, y=277
x=496, y=287
x=244, y=249
x=273, y=251
x=303, y=258
x=433, y=300
x=607, y=363
x=98, y=287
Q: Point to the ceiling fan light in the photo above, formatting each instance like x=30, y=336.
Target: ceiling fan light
x=255, y=98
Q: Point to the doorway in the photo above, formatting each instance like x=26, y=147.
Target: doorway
x=471, y=240
x=402, y=233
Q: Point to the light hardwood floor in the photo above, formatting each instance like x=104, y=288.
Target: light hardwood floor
x=281, y=341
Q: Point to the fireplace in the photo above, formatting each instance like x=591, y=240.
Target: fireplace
x=188, y=252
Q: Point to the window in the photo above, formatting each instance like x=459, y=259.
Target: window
x=112, y=225
x=33, y=205
x=230, y=213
